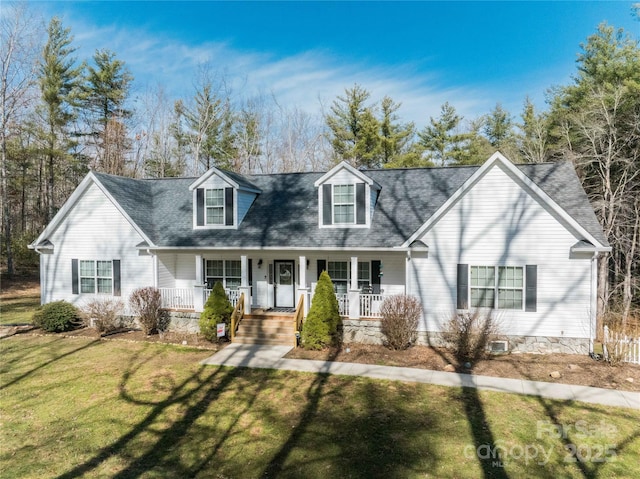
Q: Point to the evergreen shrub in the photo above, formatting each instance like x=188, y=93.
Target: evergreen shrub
x=57, y=317
x=320, y=328
x=217, y=309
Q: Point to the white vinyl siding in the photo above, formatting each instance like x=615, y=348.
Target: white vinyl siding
x=94, y=230
x=497, y=222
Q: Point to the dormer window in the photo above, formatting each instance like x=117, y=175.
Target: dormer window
x=221, y=199
x=214, y=206
x=344, y=204
x=346, y=198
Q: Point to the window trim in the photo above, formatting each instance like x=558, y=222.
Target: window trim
x=361, y=205
x=335, y=204
x=207, y=207
x=95, y=276
x=497, y=288
x=348, y=279
x=225, y=275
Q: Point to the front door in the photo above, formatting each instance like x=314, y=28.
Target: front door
x=285, y=284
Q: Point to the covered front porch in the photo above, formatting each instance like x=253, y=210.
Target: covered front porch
x=277, y=280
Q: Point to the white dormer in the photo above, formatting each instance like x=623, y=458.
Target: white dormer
x=221, y=199
x=346, y=198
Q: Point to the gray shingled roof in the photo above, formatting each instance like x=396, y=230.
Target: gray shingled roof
x=285, y=214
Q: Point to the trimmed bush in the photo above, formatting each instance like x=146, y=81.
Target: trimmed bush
x=217, y=309
x=103, y=314
x=146, y=304
x=320, y=328
x=399, y=324
x=57, y=317
x=469, y=334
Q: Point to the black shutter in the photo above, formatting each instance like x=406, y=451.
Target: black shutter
x=326, y=205
x=322, y=266
x=250, y=275
x=74, y=277
x=463, y=287
x=361, y=204
x=116, y=277
x=200, y=206
x=228, y=206
x=375, y=276
x=531, y=293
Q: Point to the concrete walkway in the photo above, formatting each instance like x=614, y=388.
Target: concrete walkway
x=272, y=357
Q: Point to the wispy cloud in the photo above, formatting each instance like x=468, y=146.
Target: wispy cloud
x=304, y=81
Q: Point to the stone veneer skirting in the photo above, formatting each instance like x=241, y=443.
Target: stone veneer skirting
x=367, y=331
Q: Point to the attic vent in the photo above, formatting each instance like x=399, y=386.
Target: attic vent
x=499, y=346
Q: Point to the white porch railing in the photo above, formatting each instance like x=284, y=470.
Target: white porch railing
x=370, y=305
x=625, y=347
x=232, y=294
x=177, y=298
x=343, y=304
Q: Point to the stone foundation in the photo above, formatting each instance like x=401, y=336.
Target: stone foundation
x=367, y=331
x=179, y=322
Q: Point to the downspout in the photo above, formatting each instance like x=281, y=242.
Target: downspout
x=593, y=299
x=35, y=248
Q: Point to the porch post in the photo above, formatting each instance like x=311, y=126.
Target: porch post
x=198, y=287
x=303, y=290
x=354, y=292
x=244, y=283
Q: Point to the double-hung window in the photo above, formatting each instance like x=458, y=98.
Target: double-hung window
x=340, y=274
x=500, y=287
x=344, y=204
x=96, y=277
x=214, y=206
x=364, y=274
x=227, y=272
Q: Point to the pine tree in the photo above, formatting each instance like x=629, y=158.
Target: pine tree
x=104, y=97
x=441, y=138
x=59, y=78
x=354, y=129
x=395, y=138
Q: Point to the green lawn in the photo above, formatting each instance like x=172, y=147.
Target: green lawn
x=78, y=407
x=18, y=308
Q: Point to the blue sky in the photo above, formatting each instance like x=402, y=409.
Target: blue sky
x=472, y=54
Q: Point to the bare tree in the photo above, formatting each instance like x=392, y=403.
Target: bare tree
x=604, y=143
x=19, y=42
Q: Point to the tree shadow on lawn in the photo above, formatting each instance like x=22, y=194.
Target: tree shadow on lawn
x=383, y=437
x=27, y=351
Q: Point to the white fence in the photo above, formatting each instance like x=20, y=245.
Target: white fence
x=177, y=298
x=625, y=347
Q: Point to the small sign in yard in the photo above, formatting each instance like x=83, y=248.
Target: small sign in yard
x=221, y=329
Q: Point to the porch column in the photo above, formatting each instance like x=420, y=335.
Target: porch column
x=354, y=292
x=198, y=287
x=303, y=290
x=244, y=283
